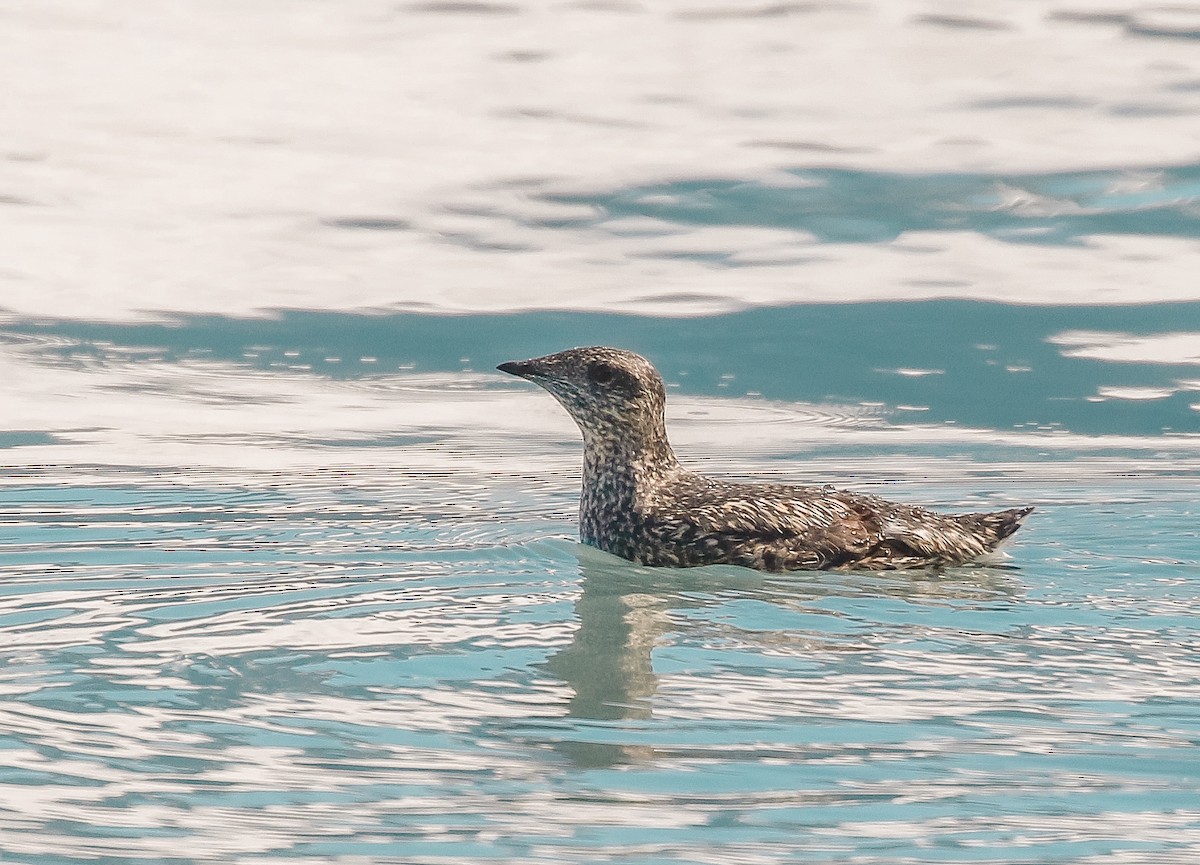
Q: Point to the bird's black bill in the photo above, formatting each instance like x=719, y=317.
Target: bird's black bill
x=515, y=367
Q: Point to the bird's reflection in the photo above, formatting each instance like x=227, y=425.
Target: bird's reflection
x=626, y=610
x=623, y=611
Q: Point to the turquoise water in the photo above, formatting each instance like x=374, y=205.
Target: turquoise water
x=387, y=648
x=288, y=571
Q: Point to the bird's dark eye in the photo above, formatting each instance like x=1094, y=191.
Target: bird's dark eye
x=601, y=373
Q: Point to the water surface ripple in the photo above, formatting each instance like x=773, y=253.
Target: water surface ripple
x=260, y=605
x=268, y=673
x=287, y=570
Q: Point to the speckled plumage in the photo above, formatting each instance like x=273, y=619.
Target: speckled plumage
x=639, y=503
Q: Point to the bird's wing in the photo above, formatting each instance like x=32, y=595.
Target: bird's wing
x=828, y=523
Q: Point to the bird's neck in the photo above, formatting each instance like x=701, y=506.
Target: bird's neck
x=617, y=473
x=634, y=453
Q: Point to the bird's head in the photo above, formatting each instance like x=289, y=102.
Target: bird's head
x=612, y=394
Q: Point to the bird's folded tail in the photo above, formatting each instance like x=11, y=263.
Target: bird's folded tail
x=992, y=528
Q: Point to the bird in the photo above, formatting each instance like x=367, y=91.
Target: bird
x=638, y=502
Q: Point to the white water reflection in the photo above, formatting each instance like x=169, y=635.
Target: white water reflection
x=1135, y=393
x=1168, y=348
x=229, y=419
x=374, y=155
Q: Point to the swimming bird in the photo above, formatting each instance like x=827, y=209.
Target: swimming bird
x=639, y=503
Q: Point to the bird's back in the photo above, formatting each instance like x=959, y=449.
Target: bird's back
x=688, y=519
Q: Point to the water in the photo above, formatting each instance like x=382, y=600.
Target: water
x=288, y=570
